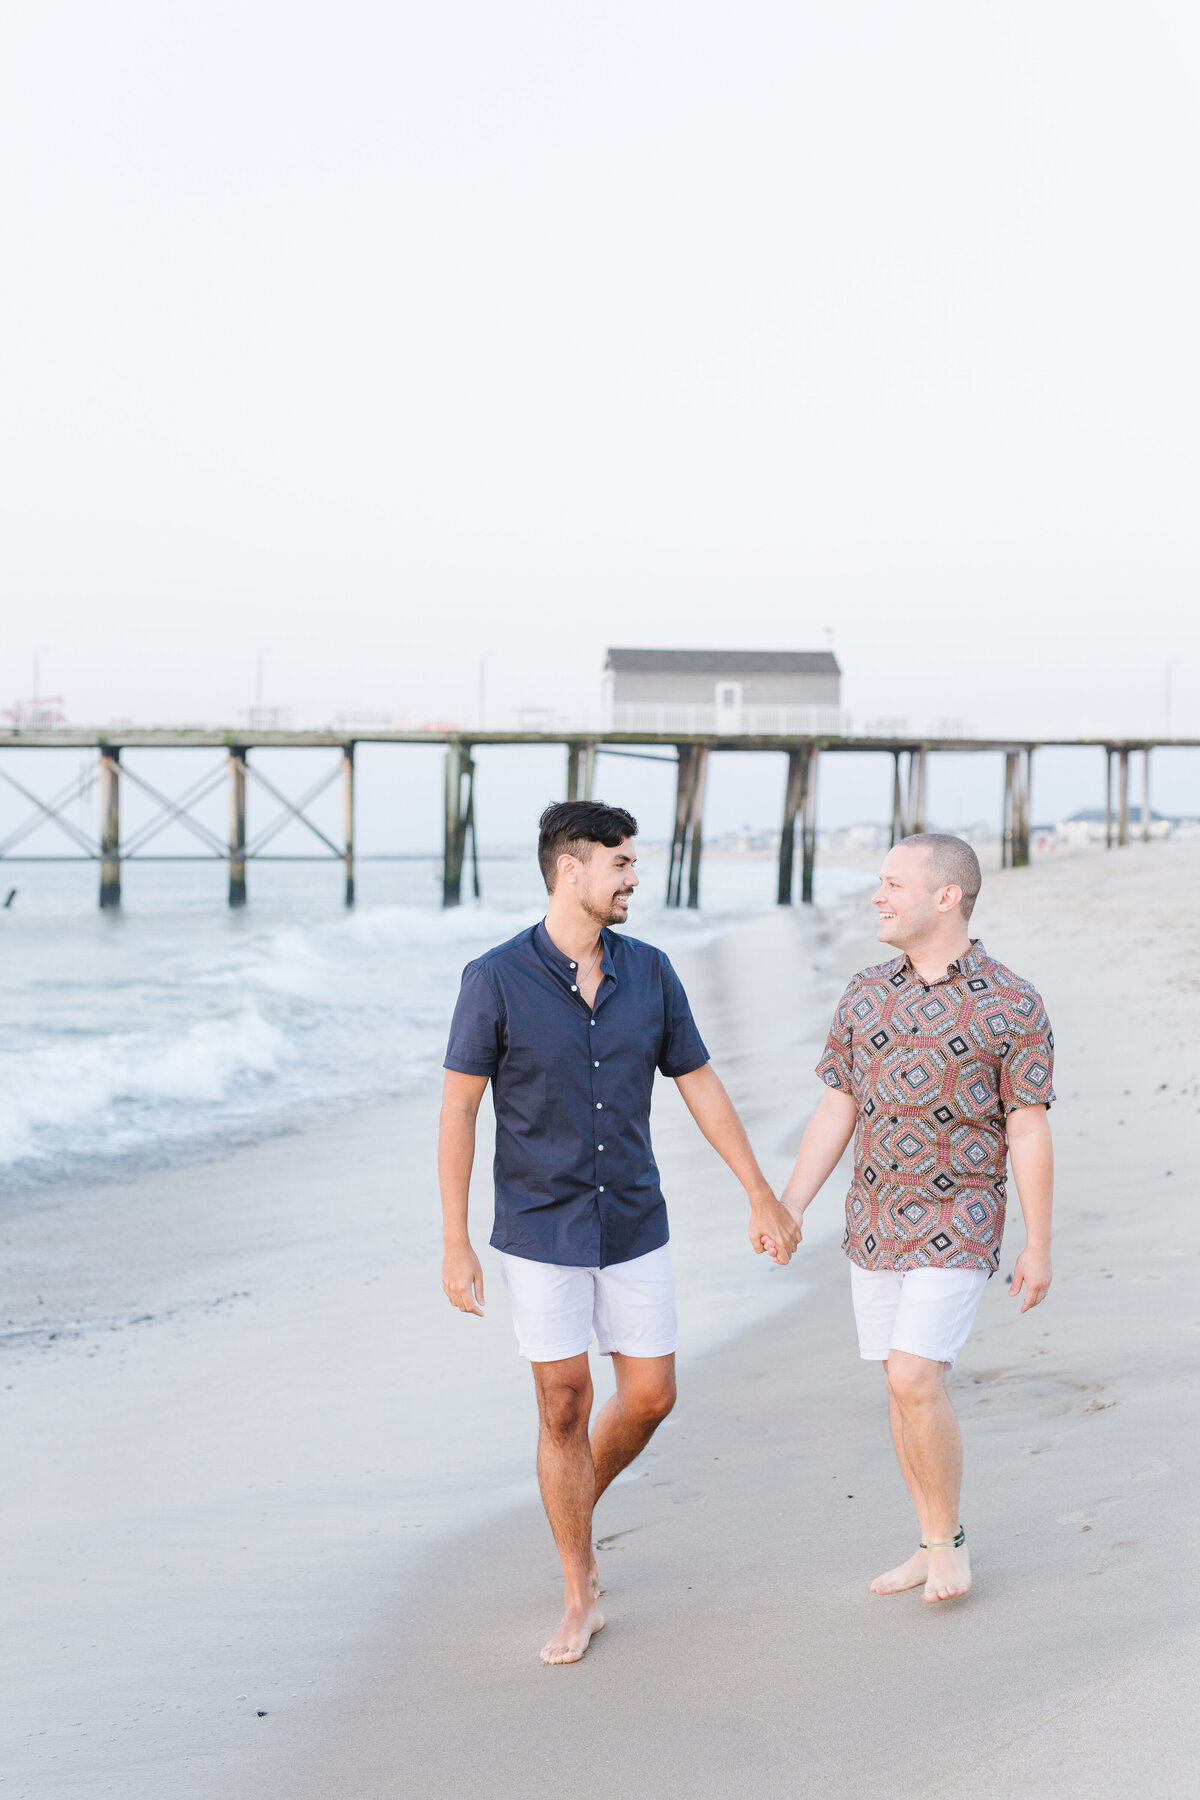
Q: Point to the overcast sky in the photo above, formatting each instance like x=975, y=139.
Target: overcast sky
x=383, y=336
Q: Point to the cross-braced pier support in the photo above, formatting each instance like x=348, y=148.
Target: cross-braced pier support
x=110, y=826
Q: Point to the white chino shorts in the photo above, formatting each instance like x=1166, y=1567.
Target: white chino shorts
x=927, y=1312
x=629, y=1305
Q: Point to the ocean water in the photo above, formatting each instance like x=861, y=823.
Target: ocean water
x=176, y=1028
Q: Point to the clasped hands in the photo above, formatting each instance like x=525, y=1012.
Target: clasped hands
x=773, y=1228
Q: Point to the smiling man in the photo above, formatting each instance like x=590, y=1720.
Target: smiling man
x=939, y=1064
x=569, y=1021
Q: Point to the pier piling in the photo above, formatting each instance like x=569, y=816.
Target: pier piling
x=348, y=817
x=1146, y=795
x=460, y=818
x=110, y=825
x=1123, y=797
x=697, y=821
x=897, y=800
x=237, y=826
x=916, y=791
x=683, y=806
x=809, y=863
x=793, y=802
x=581, y=770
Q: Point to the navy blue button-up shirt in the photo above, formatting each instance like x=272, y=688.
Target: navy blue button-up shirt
x=576, y=1180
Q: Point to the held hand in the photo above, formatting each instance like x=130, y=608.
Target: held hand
x=796, y=1213
x=462, y=1280
x=773, y=1229
x=1032, y=1271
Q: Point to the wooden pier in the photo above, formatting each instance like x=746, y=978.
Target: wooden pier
x=689, y=756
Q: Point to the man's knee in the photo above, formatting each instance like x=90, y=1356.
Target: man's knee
x=650, y=1402
x=913, y=1381
x=565, y=1406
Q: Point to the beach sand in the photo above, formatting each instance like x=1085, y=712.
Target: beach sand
x=219, y=1500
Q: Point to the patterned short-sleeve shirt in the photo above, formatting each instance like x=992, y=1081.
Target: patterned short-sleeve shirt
x=934, y=1070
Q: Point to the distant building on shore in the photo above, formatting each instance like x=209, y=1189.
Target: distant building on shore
x=760, y=692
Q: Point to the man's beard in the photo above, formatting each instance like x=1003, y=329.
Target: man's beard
x=606, y=912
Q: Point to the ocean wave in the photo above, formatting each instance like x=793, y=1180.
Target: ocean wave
x=109, y=1091
x=126, y=1046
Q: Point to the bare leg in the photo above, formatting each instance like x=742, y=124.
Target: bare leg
x=568, y=1482
x=914, y=1572
x=626, y=1423
x=929, y=1450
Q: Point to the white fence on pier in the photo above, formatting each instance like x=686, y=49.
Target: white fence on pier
x=729, y=721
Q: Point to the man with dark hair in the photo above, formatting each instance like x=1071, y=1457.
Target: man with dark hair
x=939, y=1064
x=569, y=1022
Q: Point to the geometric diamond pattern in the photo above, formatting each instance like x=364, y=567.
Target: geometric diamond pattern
x=934, y=1071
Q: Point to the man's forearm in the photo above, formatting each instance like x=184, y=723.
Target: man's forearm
x=456, y=1156
x=821, y=1149
x=715, y=1114
x=1031, y=1153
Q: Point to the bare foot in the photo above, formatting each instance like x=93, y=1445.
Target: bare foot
x=578, y=1626
x=911, y=1574
x=949, y=1574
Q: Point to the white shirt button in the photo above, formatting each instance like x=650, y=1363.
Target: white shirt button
x=574, y=990
x=599, y=1106
x=599, y=1146
x=601, y=1190
x=595, y=1065
x=574, y=965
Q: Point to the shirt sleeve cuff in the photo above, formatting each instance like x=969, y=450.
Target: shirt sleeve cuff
x=675, y=1070
x=461, y=1065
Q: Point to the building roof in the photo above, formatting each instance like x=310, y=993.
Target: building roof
x=723, y=662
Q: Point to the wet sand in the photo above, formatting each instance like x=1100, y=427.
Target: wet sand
x=211, y=1513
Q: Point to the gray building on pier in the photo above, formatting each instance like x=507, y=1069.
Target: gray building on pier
x=724, y=691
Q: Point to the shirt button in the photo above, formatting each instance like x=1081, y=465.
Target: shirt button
x=892, y=1119
x=574, y=990
x=895, y=1165
x=599, y=1106
x=599, y=1146
x=602, y=1189
x=595, y=1065
x=574, y=965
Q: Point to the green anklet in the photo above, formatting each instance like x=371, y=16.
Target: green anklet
x=954, y=1543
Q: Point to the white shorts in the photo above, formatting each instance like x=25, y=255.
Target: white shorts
x=927, y=1312
x=629, y=1305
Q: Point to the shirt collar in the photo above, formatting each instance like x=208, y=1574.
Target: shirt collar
x=562, y=965
x=969, y=963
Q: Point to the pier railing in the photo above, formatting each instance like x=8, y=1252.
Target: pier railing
x=106, y=775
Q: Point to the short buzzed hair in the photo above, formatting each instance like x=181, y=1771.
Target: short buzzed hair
x=573, y=827
x=951, y=861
